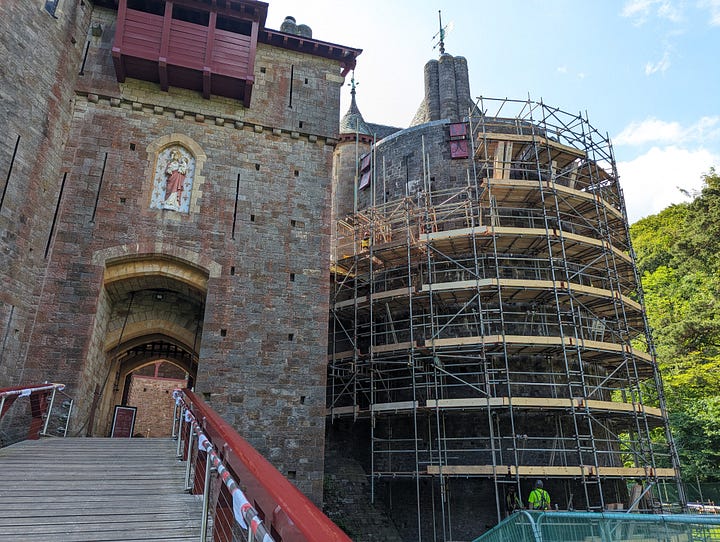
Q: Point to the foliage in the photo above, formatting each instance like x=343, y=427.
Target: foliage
x=678, y=254
x=654, y=235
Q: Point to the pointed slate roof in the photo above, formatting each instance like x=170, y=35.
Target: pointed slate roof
x=353, y=120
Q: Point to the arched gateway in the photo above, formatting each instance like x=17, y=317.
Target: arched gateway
x=150, y=315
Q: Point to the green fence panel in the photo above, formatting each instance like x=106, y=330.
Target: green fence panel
x=607, y=527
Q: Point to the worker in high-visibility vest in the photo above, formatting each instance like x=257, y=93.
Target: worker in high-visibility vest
x=539, y=499
x=512, y=501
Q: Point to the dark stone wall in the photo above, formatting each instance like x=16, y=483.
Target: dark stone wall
x=40, y=59
x=264, y=337
x=348, y=493
x=403, y=172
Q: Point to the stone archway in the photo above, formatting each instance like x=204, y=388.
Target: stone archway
x=151, y=309
x=148, y=387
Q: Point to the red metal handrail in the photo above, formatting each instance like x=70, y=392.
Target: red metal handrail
x=286, y=510
x=38, y=394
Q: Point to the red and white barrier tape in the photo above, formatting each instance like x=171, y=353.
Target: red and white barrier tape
x=242, y=509
x=28, y=391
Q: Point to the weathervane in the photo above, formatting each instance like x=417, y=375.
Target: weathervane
x=353, y=84
x=442, y=32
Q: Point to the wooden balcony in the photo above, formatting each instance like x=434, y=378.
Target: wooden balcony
x=179, y=53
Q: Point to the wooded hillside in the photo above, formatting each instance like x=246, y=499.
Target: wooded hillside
x=678, y=255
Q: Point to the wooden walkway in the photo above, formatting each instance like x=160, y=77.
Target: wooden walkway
x=95, y=489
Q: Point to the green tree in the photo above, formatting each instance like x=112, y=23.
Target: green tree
x=678, y=255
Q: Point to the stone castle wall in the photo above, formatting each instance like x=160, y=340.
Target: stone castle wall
x=400, y=164
x=258, y=226
x=36, y=96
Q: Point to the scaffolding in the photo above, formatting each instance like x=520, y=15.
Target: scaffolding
x=494, y=329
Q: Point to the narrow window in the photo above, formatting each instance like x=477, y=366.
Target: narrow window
x=292, y=76
x=51, y=6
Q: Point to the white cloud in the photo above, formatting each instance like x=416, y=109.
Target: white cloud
x=706, y=128
x=637, y=8
x=653, y=130
x=647, y=131
x=660, y=66
x=653, y=181
x=713, y=6
x=641, y=10
x=670, y=11
x=562, y=69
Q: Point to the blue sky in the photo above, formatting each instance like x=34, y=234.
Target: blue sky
x=645, y=71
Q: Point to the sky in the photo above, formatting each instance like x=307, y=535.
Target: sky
x=646, y=72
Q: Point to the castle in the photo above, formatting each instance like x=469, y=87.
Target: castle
x=453, y=302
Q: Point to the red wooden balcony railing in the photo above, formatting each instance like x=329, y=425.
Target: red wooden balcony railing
x=174, y=52
x=248, y=489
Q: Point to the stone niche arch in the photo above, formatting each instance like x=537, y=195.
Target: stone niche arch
x=151, y=308
x=174, y=174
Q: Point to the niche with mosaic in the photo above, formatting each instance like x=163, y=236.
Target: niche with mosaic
x=173, y=179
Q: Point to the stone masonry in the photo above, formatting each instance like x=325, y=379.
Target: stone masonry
x=249, y=261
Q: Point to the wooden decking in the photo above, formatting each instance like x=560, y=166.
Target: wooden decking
x=83, y=489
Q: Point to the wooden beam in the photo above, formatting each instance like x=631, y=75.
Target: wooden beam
x=500, y=137
x=208, y=60
x=541, y=403
x=342, y=411
x=164, y=45
x=550, y=471
x=400, y=405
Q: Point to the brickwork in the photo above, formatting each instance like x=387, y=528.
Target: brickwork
x=153, y=398
x=348, y=497
x=260, y=307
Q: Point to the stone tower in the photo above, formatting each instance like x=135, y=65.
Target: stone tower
x=484, y=318
x=166, y=181
x=354, y=142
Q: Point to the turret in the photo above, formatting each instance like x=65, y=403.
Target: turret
x=447, y=90
x=355, y=140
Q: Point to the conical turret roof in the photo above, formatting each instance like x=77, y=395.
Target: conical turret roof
x=353, y=120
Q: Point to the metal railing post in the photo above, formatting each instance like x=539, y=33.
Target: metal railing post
x=238, y=458
x=206, y=498
x=67, y=421
x=175, y=419
x=536, y=531
x=188, y=485
x=49, y=412
x=179, y=440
